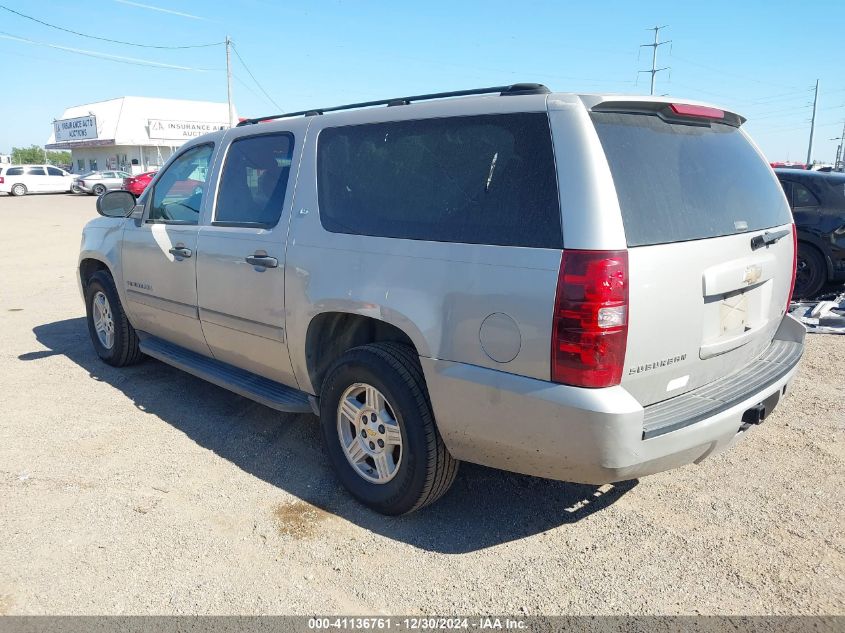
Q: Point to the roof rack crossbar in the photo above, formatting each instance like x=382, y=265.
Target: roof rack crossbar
x=513, y=89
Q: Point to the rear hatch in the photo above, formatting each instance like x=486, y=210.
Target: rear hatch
x=706, y=293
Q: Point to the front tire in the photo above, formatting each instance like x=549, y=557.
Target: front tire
x=113, y=337
x=379, y=431
x=18, y=190
x=810, y=273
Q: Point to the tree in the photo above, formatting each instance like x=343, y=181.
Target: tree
x=35, y=154
x=58, y=158
x=31, y=154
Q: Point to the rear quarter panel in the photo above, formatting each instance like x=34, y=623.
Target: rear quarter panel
x=437, y=293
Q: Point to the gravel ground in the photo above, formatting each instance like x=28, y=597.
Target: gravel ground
x=147, y=491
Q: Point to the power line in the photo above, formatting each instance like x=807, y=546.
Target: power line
x=260, y=87
x=728, y=73
x=133, y=61
x=105, y=39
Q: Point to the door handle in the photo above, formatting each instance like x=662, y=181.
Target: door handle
x=181, y=251
x=262, y=261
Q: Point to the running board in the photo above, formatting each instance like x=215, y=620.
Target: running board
x=263, y=390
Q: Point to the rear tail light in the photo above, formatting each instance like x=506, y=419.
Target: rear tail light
x=590, y=325
x=2, y=180
x=794, y=265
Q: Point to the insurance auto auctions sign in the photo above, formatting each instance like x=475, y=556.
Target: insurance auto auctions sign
x=78, y=129
x=181, y=130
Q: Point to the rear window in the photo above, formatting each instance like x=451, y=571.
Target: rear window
x=477, y=179
x=679, y=182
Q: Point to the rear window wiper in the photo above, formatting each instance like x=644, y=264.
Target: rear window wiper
x=766, y=239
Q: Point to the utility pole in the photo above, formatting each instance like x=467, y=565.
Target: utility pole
x=813, y=125
x=654, y=69
x=839, y=163
x=229, y=81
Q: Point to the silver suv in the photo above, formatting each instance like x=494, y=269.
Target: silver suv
x=580, y=287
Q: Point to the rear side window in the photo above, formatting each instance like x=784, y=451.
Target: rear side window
x=255, y=179
x=803, y=197
x=478, y=179
x=35, y=171
x=14, y=171
x=679, y=182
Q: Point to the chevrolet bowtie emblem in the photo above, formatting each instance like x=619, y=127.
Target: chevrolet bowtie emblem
x=753, y=274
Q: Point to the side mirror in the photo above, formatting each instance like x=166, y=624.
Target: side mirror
x=116, y=204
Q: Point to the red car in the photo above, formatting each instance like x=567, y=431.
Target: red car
x=137, y=184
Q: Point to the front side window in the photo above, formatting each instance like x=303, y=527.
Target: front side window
x=52, y=171
x=486, y=179
x=254, y=180
x=177, y=196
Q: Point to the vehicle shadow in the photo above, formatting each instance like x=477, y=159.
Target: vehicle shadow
x=485, y=507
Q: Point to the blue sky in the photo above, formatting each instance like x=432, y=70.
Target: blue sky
x=760, y=59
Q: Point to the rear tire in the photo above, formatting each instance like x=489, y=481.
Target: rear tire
x=420, y=469
x=18, y=190
x=99, y=190
x=810, y=273
x=117, y=343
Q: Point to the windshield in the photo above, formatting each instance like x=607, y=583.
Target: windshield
x=679, y=182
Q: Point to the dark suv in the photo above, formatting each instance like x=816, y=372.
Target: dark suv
x=818, y=204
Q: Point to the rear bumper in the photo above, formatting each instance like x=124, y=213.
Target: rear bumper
x=586, y=435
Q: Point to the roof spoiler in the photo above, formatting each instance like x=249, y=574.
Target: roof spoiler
x=673, y=112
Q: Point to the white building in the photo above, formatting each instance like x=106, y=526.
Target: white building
x=135, y=134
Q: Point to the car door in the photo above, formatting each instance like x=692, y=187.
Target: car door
x=120, y=177
x=241, y=254
x=159, y=253
x=805, y=205
x=56, y=180
x=35, y=179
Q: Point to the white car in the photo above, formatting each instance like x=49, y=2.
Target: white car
x=19, y=180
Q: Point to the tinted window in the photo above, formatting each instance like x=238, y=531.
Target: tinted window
x=254, y=181
x=787, y=189
x=14, y=171
x=178, y=193
x=481, y=180
x=803, y=197
x=34, y=171
x=680, y=182
x=52, y=171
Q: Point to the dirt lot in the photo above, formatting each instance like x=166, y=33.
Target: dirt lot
x=146, y=490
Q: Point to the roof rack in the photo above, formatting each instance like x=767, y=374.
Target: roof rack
x=513, y=89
